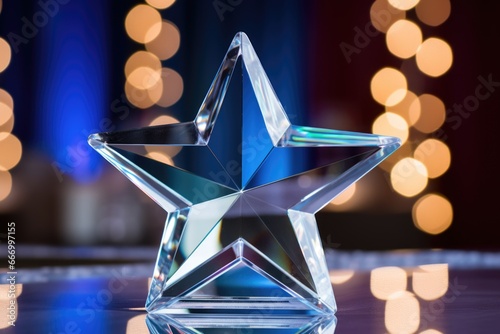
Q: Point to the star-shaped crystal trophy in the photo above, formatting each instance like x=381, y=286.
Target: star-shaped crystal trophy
x=241, y=195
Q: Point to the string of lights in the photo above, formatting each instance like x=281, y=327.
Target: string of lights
x=148, y=83
x=10, y=145
x=420, y=158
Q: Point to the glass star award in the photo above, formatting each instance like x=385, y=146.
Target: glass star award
x=241, y=195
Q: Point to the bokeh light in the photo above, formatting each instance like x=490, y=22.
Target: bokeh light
x=155, y=92
x=160, y=157
x=166, y=44
x=144, y=77
x=143, y=23
x=402, y=313
x=430, y=281
x=388, y=86
x=383, y=15
x=340, y=276
x=432, y=214
x=11, y=149
x=162, y=120
x=434, y=57
x=431, y=331
x=137, y=325
x=345, y=196
x=433, y=12
x=138, y=97
x=403, y=39
x=432, y=113
x=6, y=182
x=143, y=70
x=141, y=59
x=163, y=153
x=435, y=155
x=390, y=124
x=6, y=107
x=173, y=87
x=403, y=4
x=409, y=108
x=409, y=177
x=7, y=126
x=160, y=4
x=5, y=54
x=386, y=281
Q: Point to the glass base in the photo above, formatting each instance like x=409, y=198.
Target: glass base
x=239, y=279
x=255, y=323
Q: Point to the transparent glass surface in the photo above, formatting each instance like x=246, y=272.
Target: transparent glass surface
x=240, y=235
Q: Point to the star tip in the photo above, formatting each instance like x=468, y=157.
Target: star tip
x=388, y=140
x=241, y=37
x=95, y=140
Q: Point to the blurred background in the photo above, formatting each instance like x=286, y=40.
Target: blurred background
x=426, y=71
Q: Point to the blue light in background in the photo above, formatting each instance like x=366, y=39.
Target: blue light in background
x=72, y=86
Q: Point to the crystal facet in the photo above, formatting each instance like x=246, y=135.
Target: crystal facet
x=240, y=234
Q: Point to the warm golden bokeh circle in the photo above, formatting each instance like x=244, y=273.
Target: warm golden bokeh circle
x=435, y=155
x=434, y=57
x=409, y=177
x=11, y=149
x=143, y=23
x=432, y=214
x=6, y=107
x=143, y=71
x=388, y=86
x=403, y=4
x=403, y=39
x=5, y=54
x=433, y=12
x=160, y=156
x=6, y=182
x=162, y=120
x=345, y=196
x=142, y=59
x=144, y=77
x=432, y=113
x=430, y=281
x=340, y=276
x=173, y=87
x=386, y=281
x=138, y=97
x=166, y=44
x=160, y=4
x=402, y=313
x=7, y=126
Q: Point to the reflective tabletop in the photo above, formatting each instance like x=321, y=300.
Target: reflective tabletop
x=377, y=292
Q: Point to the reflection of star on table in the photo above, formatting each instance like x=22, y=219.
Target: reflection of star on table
x=241, y=198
